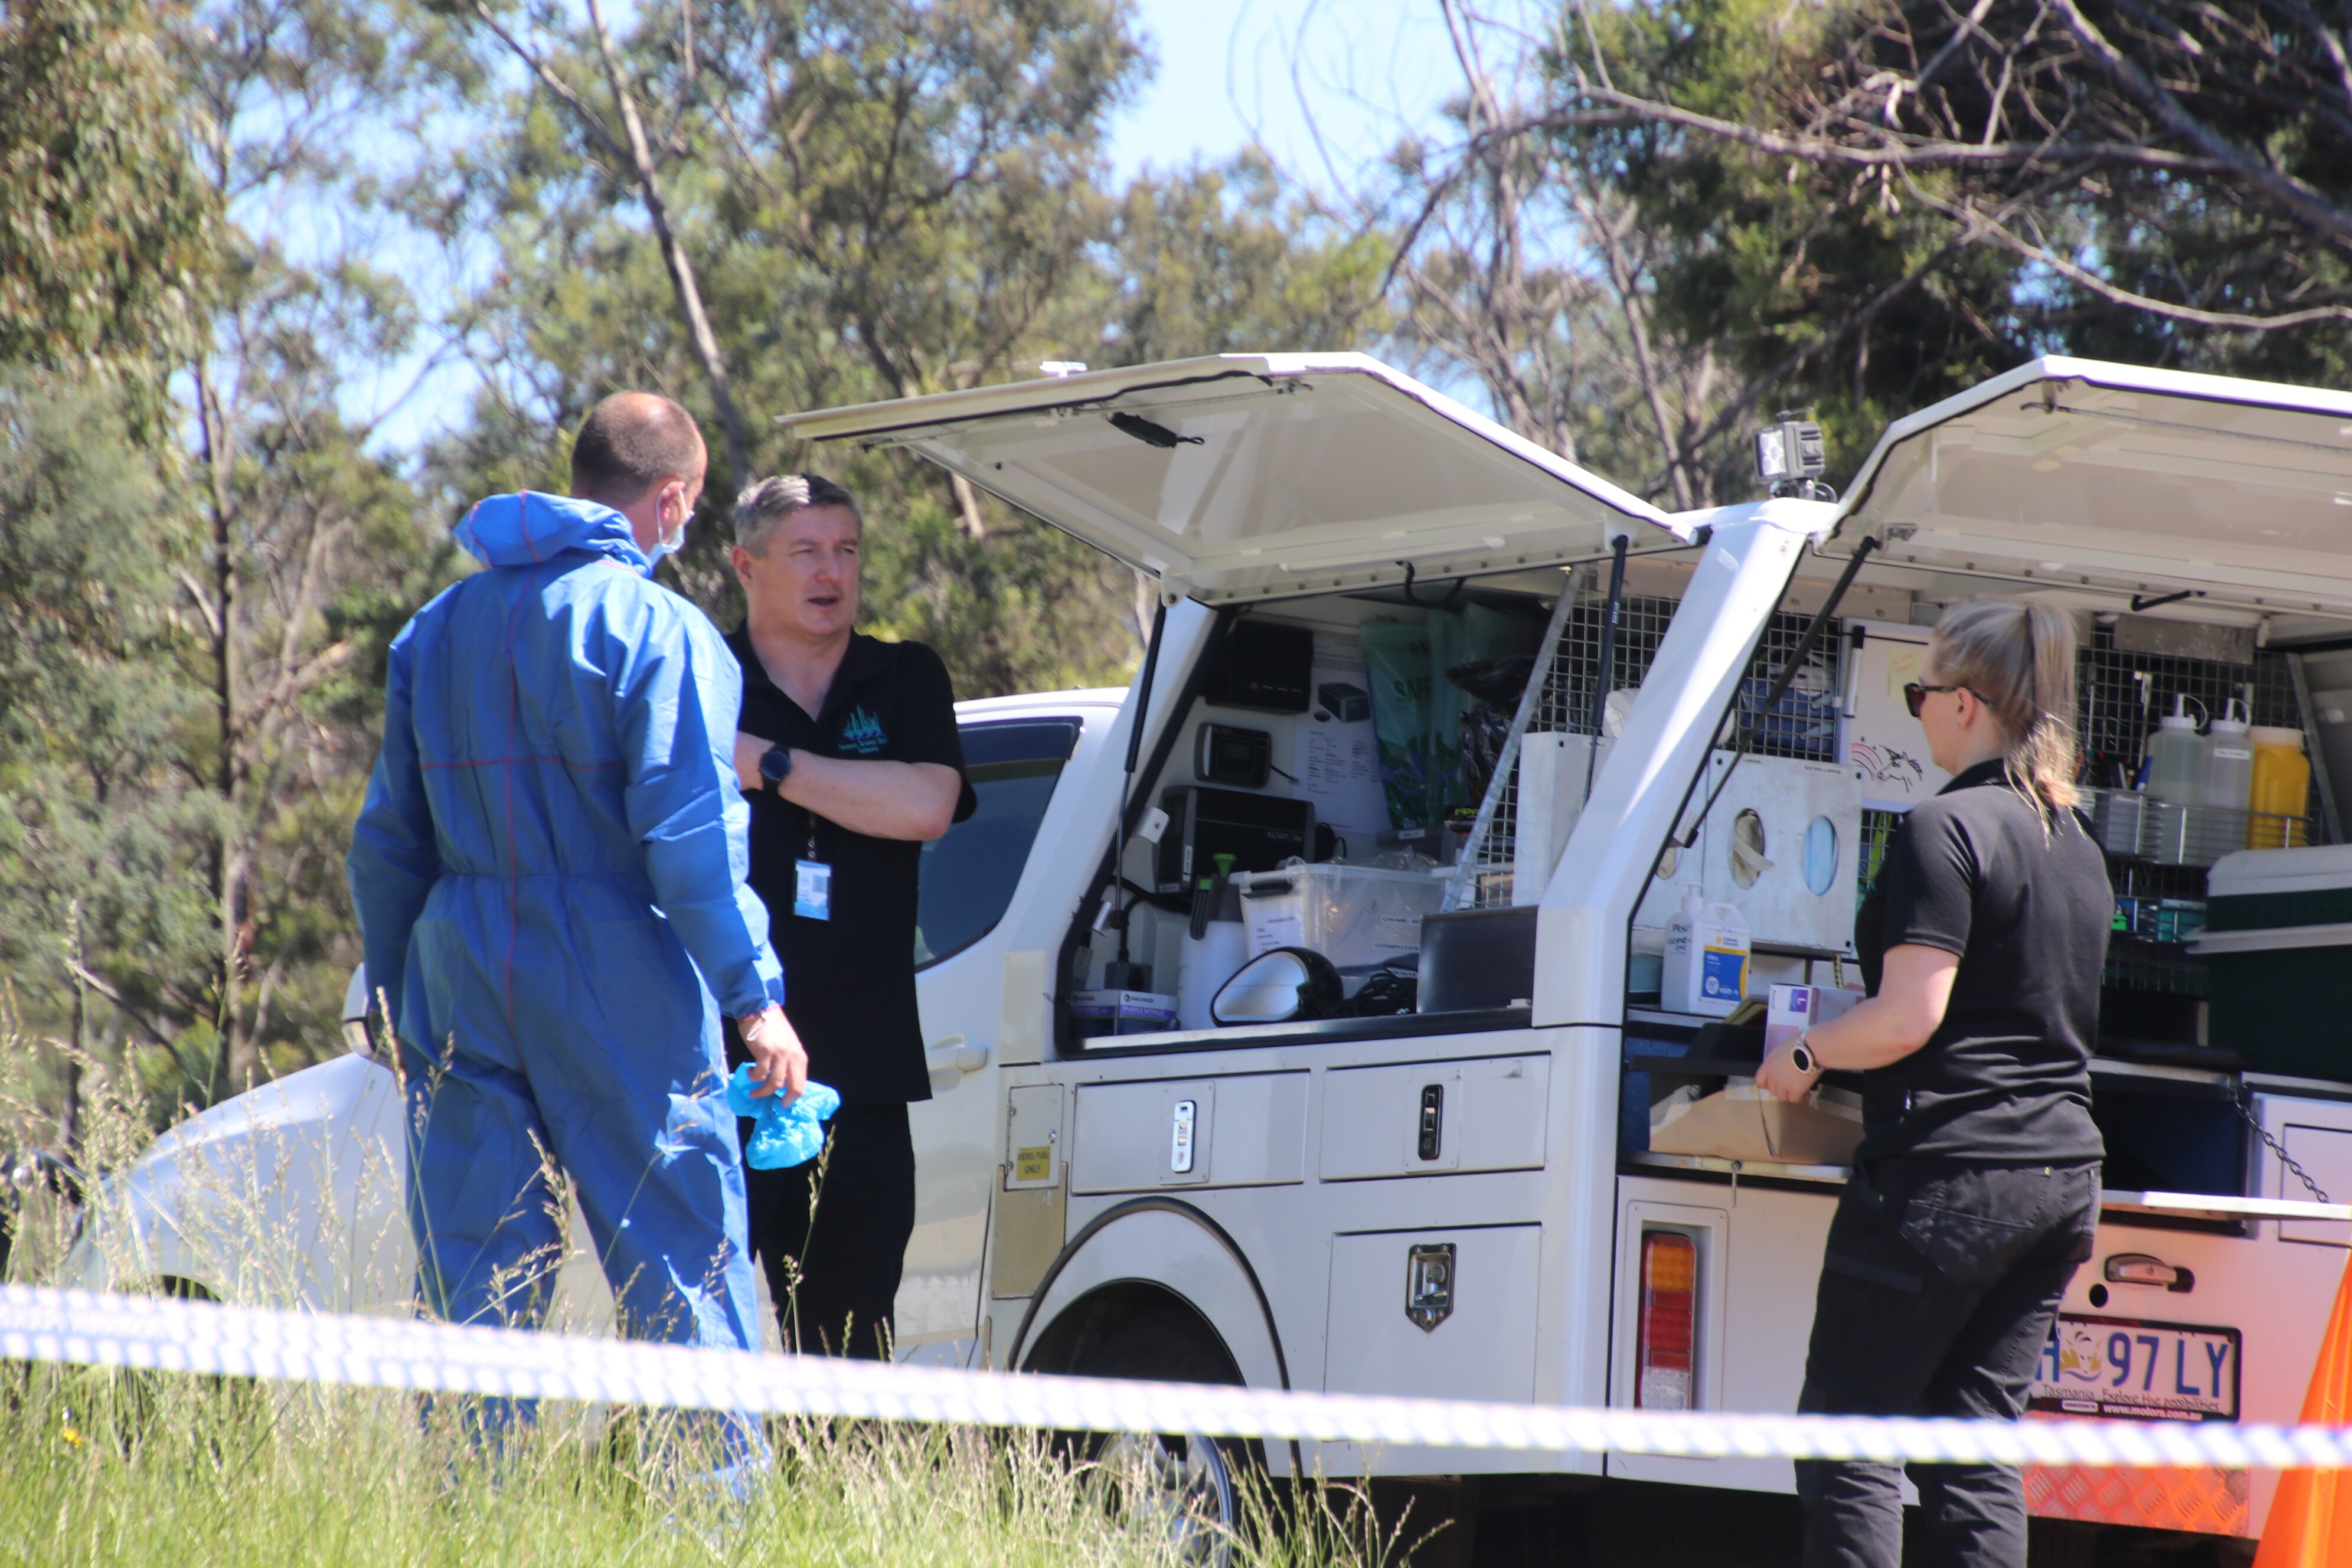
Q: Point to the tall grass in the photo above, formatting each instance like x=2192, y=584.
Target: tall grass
x=104, y=1469
x=100, y=1467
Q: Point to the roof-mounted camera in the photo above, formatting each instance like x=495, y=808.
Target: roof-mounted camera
x=1789, y=454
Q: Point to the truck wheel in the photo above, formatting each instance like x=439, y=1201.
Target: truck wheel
x=1183, y=1484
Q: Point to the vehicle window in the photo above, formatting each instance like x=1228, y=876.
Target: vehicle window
x=969, y=873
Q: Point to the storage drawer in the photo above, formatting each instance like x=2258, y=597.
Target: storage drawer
x=1248, y=1131
x=1488, y=1115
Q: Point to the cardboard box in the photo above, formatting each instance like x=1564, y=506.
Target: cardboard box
x=1098, y=1012
x=1741, y=1121
x=1795, y=1008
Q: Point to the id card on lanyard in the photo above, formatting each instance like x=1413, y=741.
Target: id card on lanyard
x=812, y=882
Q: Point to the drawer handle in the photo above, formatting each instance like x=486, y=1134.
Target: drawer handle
x=1433, y=1120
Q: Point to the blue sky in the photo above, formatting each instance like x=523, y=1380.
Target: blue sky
x=1235, y=70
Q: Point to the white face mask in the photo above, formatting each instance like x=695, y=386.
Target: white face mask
x=667, y=544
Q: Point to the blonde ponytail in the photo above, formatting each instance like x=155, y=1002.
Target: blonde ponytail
x=2020, y=658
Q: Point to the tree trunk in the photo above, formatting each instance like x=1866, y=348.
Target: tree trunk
x=69, y=1113
x=674, y=256
x=235, y=1066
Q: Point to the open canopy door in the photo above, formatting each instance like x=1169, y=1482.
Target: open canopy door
x=2075, y=473
x=1251, y=476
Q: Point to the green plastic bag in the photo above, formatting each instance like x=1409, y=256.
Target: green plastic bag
x=1416, y=713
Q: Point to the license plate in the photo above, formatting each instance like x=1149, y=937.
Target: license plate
x=2130, y=1370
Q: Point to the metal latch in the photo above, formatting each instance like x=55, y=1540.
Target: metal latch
x=1429, y=1285
x=1433, y=1120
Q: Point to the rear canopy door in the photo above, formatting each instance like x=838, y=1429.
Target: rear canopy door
x=2073, y=472
x=1253, y=476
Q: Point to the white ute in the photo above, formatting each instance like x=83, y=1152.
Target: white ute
x=1460, y=1203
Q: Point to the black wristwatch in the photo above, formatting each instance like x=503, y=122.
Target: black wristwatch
x=775, y=767
x=1800, y=1056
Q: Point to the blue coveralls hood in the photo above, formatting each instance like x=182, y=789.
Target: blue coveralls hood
x=528, y=528
x=549, y=873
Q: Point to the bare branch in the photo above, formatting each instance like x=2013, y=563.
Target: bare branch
x=588, y=119
x=681, y=267
x=2291, y=193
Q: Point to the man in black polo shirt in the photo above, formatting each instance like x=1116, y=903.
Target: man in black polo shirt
x=849, y=754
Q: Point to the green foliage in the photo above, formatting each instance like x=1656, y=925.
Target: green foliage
x=1947, y=195
x=98, y=830
x=1827, y=288
x=1229, y=260
x=107, y=233
x=883, y=199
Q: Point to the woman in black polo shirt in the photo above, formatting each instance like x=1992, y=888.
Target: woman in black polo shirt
x=1975, y=1190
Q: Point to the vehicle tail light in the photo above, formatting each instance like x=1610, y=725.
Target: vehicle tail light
x=1669, y=1338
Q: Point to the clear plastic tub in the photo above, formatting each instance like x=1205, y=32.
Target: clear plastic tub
x=1358, y=917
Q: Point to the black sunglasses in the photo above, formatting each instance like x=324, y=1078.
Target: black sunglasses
x=1914, y=695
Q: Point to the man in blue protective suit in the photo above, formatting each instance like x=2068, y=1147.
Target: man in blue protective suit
x=549, y=874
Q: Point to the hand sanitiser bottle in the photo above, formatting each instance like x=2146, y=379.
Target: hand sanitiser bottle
x=1706, y=967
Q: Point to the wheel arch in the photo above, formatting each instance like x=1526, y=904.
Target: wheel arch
x=1124, y=1261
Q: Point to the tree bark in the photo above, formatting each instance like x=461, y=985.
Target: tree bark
x=674, y=256
x=236, y=1063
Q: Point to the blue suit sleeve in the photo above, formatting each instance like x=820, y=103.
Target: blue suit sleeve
x=677, y=695
x=395, y=856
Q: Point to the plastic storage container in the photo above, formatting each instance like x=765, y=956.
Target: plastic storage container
x=1358, y=917
x=2282, y=788
x=2278, y=935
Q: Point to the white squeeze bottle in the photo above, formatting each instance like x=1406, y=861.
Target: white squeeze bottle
x=2176, y=759
x=2229, y=760
x=1678, y=975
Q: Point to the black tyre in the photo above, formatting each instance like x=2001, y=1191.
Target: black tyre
x=1189, y=1486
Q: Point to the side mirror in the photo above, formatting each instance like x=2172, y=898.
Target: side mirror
x=1278, y=987
x=360, y=1015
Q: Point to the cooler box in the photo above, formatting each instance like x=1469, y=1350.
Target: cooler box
x=2278, y=934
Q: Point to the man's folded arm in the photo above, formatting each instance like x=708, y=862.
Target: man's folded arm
x=395, y=856
x=677, y=698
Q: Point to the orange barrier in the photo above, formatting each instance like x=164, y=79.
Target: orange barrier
x=2310, y=1523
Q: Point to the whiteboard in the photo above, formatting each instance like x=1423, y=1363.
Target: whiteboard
x=1878, y=734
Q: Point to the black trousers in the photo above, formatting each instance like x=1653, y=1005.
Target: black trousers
x=831, y=1234
x=1938, y=1290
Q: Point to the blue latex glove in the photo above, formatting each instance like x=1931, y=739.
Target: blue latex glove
x=788, y=1135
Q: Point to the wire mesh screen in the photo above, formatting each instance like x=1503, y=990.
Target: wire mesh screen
x=2119, y=695
x=1878, y=832
x=1802, y=723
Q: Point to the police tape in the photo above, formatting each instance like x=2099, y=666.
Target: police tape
x=146, y=1333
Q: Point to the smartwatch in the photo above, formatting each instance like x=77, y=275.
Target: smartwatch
x=775, y=767
x=1800, y=1057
